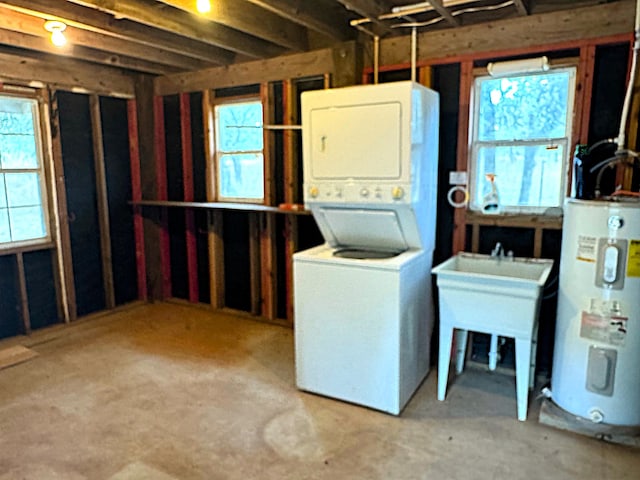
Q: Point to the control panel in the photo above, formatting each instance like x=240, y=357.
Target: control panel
x=357, y=193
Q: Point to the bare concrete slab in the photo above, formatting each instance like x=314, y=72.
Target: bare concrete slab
x=170, y=391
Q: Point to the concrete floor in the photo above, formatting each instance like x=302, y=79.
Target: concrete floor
x=168, y=391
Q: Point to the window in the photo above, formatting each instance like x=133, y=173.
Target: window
x=22, y=201
x=521, y=134
x=239, y=151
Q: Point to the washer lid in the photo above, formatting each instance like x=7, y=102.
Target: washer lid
x=370, y=229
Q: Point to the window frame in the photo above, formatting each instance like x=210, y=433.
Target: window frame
x=42, y=152
x=569, y=65
x=218, y=154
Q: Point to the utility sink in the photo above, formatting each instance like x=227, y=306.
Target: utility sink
x=493, y=295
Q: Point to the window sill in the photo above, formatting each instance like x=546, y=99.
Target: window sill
x=550, y=222
x=26, y=247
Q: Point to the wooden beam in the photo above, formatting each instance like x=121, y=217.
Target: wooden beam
x=44, y=45
x=533, y=31
x=244, y=16
x=296, y=65
x=95, y=21
x=254, y=263
x=103, y=202
x=347, y=65
x=215, y=235
x=162, y=194
x=67, y=75
x=24, y=296
x=63, y=236
x=311, y=15
x=459, y=215
x=182, y=24
x=268, y=268
x=136, y=194
x=370, y=9
x=444, y=13
x=20, y=22
x=187, y=185
x=522, y=7
x=291, y=178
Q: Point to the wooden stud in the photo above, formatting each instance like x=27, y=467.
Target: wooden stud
x=537, y=242
x=459, y=217
x=136, y=195
x=64, y=237
x=161, y=184
x=268, y=269
x=24, y=297
x=254, y=263
x=291, y=179
x=475, y=237
x=215, y=235
x=187, y=183
x=103, y=202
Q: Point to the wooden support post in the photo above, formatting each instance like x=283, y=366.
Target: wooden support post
x=215, y=239
x=161, y=185
x=537, y=242
x=347, y=64
x=475, y=238
x=63, y=239
x=291, y=179
x=267, y=225
x=24, y=297
x=187, y=181
x=103, y=202
x=459, y=218
x=254, y=263
x=136, y=195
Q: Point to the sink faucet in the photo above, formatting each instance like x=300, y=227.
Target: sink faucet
x=497, y=251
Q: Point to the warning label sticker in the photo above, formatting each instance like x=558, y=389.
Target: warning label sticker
x=587, y=248
x=633, y=262
x=604, y=328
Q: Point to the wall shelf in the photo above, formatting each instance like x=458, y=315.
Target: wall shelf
x=250, y=207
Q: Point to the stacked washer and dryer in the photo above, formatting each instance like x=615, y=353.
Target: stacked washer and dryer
x=363, y=305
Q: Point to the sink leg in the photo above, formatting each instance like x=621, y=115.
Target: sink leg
x=461, y=349
x=523, y=365
x=493, y=352
x=534, y=353
x=444, y=357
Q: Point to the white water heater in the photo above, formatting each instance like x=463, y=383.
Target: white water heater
x=596, y=364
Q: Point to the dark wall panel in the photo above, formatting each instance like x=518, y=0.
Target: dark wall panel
x=236, y=261
x=446, y=81
x=41, y=288
x=200, y=195
x=115, y=133
x=175, y=190
x=80, y=185
x=10, y=319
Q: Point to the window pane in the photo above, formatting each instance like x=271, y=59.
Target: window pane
x=241, y=176
x=239, y=127
x=17, y=133
x=525, y=175
x=23, y=189
x=523, y=107
x=3, y=193
x=5, y=232
x=27, y=223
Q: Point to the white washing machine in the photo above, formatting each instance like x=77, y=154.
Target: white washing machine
x=363, y=327
x=363, y=305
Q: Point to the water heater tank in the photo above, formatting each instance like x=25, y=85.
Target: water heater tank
x=596, y=364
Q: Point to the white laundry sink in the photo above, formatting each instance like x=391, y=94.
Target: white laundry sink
x=491, y=294
x=494, y=295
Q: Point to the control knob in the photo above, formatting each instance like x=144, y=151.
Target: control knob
x=397, y=193
x=313, y=192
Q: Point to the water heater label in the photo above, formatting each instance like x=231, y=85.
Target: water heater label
x=633, y=262
x=608, y=329
x=587, y=248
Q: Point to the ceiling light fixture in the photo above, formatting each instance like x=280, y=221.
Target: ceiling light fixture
x=203, y=6
x=56, y=28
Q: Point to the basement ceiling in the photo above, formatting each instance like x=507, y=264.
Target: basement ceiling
x=168, y=36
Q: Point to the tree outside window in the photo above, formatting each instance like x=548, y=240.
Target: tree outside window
x=22, y=207
x=239, y=151
x=521, y=133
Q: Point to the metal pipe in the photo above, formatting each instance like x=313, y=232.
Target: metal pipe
x=414, y=51
x=376, y=58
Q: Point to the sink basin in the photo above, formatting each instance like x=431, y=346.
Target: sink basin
x=485, y=270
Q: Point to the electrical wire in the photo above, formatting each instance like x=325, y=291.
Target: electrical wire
x=455, y=13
